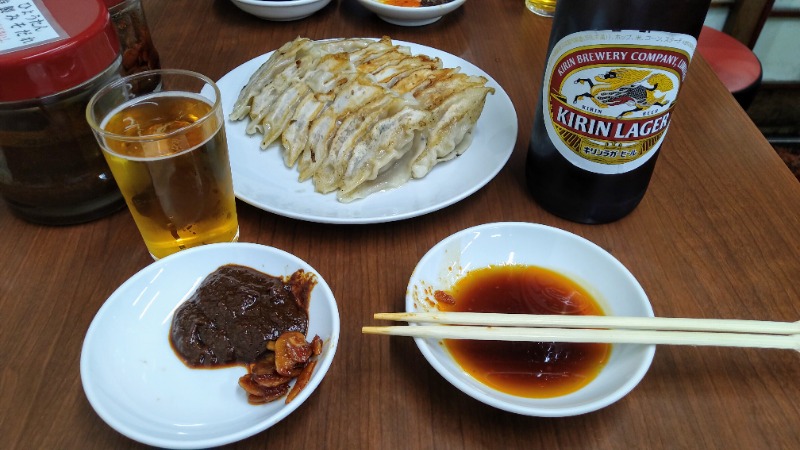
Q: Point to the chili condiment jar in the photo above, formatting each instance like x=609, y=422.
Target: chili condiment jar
x=54, y=55
x=136, y=45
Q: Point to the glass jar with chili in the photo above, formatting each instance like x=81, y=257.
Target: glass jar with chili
x=136, y=44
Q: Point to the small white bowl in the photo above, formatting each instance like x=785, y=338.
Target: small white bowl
x=602, y=275
x=138, y=386
x=411, y=16
x=281, y=11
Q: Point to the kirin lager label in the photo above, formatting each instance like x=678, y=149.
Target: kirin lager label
x=609, y=95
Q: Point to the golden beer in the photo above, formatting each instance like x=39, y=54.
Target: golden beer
x=541, y=7
x=169, y=156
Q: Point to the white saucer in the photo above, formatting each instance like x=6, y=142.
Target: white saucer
x=137, y=384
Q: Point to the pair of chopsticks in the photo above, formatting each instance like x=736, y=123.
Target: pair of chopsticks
x=594, y=329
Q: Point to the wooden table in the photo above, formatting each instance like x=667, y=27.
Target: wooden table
x=716, y=236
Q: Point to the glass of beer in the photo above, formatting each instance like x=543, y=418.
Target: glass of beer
x=162, y=133
x=542, y=7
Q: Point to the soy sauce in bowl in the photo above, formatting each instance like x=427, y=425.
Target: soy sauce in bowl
x=524, y=369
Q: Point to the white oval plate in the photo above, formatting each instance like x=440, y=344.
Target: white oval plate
x=137, y=384
x=597, y=271
x=261, y=178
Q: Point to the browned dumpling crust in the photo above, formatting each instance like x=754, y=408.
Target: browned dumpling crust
x=357, y=116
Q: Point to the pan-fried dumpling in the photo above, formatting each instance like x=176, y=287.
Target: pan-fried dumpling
x=388, y=141
x=353, y=126
x=393, y=175
x=449, y=134
x=278, y=61
x=277, y=118
x=332, y=72
x=357, y=116
x=374, y=50
x=348, y=98
x=295, y=136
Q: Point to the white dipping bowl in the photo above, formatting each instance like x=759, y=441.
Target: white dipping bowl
x=281, y=11
x=135, y=381
x=603, y=276
x=410, y=16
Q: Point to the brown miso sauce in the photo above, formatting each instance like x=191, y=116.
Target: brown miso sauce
x=525, y=369
x=235, y=311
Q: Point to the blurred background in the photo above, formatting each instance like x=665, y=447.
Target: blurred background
x=770, y=29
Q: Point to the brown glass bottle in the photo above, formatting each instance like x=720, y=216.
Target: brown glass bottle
x=582, y=194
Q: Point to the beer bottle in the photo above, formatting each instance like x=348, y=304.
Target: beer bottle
x=611, y=80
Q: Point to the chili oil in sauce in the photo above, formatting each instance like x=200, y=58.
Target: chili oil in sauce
x=525, y=369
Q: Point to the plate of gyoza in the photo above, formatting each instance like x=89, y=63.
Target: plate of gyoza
x=361, y=130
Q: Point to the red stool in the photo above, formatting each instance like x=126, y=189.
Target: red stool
x=736, y=65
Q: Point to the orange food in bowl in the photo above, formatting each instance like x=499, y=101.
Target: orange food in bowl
x=414, y=3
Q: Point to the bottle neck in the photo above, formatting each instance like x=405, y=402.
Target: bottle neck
x=675, y=16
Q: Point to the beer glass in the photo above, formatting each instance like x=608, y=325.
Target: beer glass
x=542, y=7
x=162, y=134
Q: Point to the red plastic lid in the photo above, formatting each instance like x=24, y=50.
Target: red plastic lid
x=48, y=46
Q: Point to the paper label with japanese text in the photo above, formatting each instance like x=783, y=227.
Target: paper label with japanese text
x=26, y=23
x=609, y=95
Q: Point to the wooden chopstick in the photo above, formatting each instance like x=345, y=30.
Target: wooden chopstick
x=597, y=329
x=572, y=321
x=591, y=335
